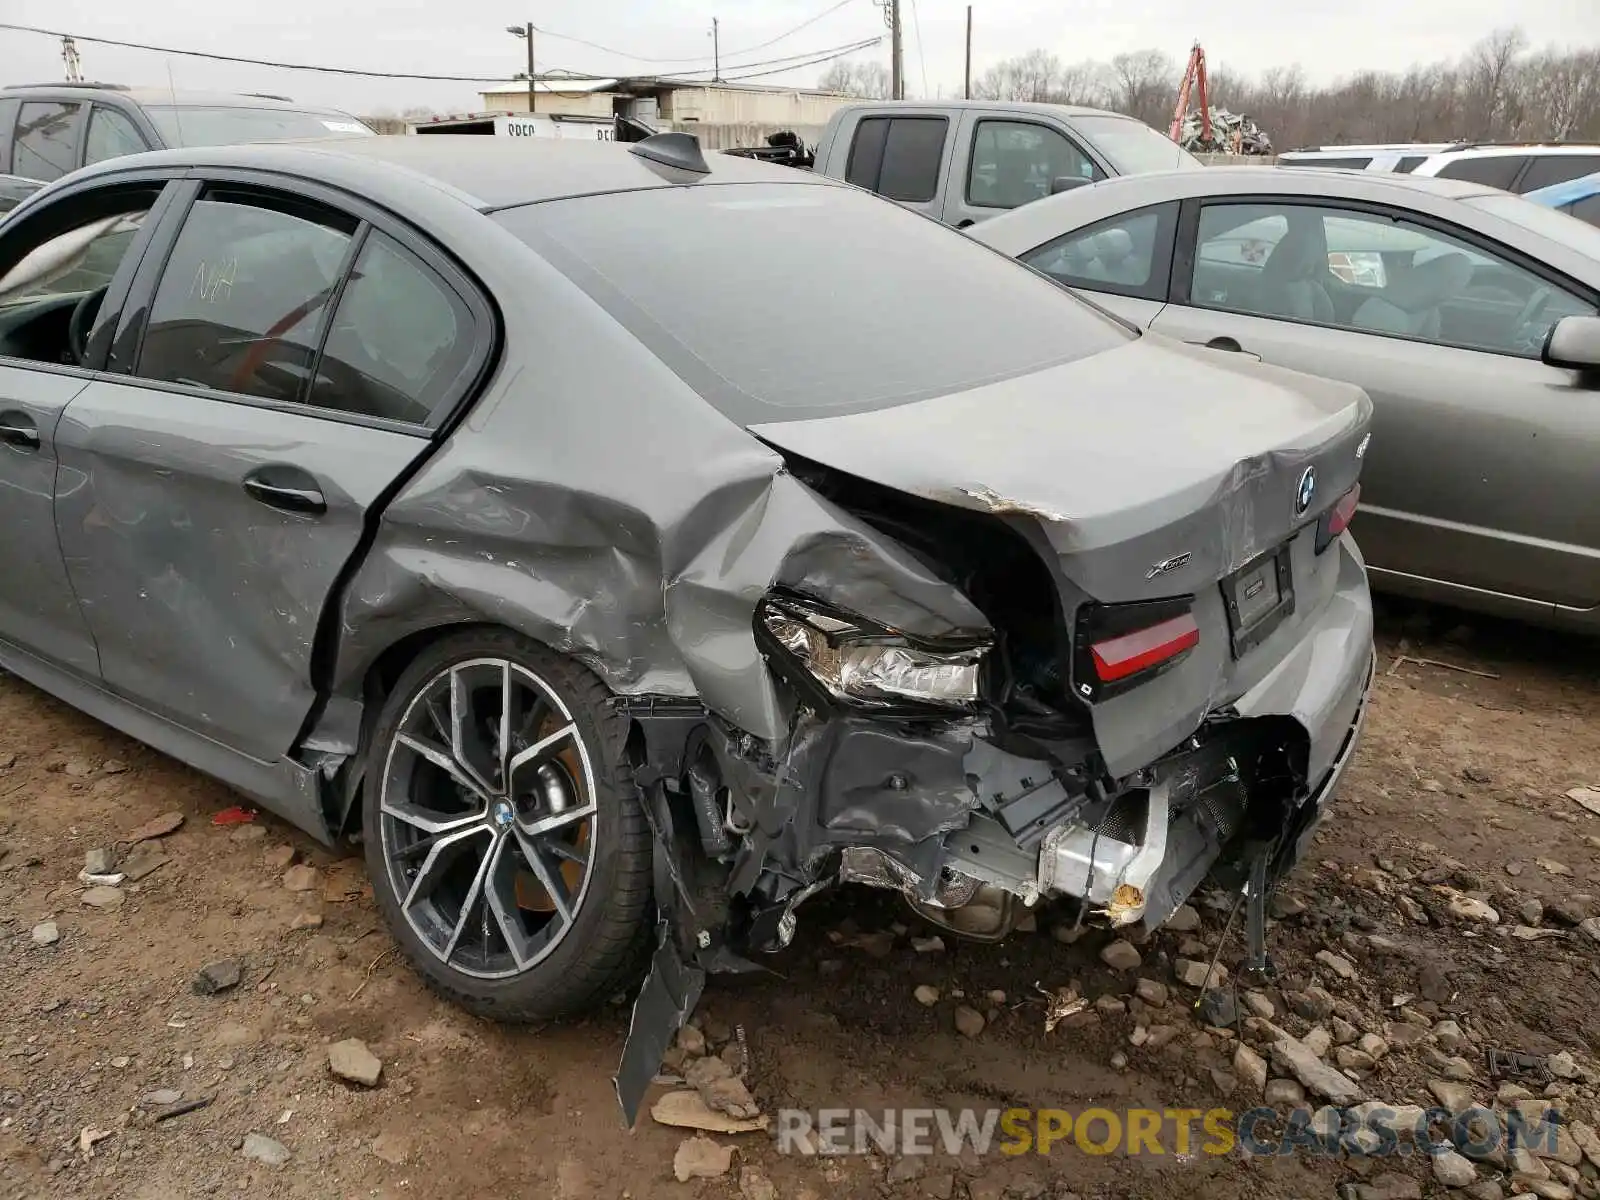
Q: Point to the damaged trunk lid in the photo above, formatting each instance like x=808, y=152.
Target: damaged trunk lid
x=1160, y=482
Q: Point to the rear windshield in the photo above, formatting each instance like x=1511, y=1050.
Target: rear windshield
x=1132, y=146
x=194, y=125
x=787, y=301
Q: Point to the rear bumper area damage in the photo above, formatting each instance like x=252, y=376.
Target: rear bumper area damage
x=974, y=824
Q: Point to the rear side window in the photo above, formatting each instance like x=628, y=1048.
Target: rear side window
x=1497, y=170
x=877, y=305
x=1409, y=163
x=1557, y=168
x=245, y=295
x=1128, y=255
x=898, y=157
x=45, y=144
x=399, y=341
x=1587, y=210
x=111, y=135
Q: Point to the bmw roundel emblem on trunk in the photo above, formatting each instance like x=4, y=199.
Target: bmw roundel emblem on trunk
x=1306, y=492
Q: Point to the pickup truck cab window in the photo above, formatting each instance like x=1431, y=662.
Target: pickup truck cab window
x=898, y=157
x=1014, y=163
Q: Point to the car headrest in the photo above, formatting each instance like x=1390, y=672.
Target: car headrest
x=1429, y=284
x=1113, y=245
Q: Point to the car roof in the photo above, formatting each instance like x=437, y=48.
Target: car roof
x=1520, y=151
x=159, y=95
x=1060, y=110
x=485, y=172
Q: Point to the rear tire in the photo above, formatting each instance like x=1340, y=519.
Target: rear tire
x=504, y=838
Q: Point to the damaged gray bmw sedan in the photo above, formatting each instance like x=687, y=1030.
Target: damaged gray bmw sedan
x=626, y=547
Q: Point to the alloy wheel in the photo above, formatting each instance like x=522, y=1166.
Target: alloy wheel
x=487, y=817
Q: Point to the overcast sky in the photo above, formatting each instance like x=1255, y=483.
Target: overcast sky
x=468, y=37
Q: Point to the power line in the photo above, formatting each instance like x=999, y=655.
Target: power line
x=807, y=23
x=813, y=57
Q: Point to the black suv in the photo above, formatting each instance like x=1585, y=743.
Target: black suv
x=49, y=129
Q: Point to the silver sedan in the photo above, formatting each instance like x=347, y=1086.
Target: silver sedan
x=1468, y=315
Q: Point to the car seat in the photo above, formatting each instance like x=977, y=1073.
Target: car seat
x=1292, y=279
x=1410, y=304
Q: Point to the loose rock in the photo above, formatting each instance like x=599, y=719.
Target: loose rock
x=1185, y=920
x=1151, y=992
x=692, y=1041
x=969, y=1021
x=161, y=1097
x=1391, y=1186
x=105, y=898
x=926, y=995
x=279, y=858
x=1465, y=908
x=701, y=1158
x=1337, y=963
x=1121, y=955
x=1292, y=1055
x=350, y=1059
x=156, y=827
x=753, y=1185
x=144, y=861
x=217, y=977
x=1283, y=1093
x=688, y=1110
x=1449, y=1036
x=1217, y=1007
x=1314, y=1004
x=1250, y=1067
x=99, y=862
x=1452, y=1170
x=928, y=945
x=305, y=920
x=1562, y=1065
x=1453, y=1095
x=267, y=1150
x=1195, y=974
x=45, y=933
x=301, y=879
x=1260, y=1005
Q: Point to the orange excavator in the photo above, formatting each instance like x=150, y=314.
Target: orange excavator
x=1194, y=77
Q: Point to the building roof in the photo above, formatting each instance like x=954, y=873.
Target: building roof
x=487, y=173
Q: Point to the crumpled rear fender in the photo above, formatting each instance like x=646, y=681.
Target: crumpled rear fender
x=646, y=569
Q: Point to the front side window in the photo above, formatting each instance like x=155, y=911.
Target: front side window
x=399, y=341
x=45, y=144
x=1015, y=162
x=245, y=294
x=1372, y=273
x=111, y=135
x=1587, y=210
x=1129, y=254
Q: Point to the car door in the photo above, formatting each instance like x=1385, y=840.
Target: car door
x=60, y=258
x=1481, y=467
x=1124, y=262
x=1003, y=162
x=47, y=141
x=285, y=362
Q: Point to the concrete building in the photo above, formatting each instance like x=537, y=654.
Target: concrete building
x=723, y=114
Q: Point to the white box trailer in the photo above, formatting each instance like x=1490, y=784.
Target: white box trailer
x=538, y=125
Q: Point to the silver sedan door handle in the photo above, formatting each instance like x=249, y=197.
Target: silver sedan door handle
x=17, y=429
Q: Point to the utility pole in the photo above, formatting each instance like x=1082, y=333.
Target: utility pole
x=969, y=52
x=528, y=33
x=898, y=68
x=716, y=52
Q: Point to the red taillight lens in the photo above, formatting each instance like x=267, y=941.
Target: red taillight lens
x=1339, y=516
x=1119, y=657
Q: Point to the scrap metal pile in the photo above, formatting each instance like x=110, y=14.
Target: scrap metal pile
x=1230, y=133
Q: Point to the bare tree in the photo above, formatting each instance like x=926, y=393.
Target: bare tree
x=1499, y=90
x=868, y=80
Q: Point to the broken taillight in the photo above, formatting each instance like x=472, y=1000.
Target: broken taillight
x=1120, y=646
x=1337, y=519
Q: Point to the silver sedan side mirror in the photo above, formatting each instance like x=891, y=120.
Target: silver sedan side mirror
x=1574, y=343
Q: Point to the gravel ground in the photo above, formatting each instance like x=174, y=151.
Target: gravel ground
x=1456, y=809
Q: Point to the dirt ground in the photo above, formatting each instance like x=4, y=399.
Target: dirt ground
x=1460, y=782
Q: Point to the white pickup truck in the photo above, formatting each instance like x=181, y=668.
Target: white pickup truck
x=964, y=160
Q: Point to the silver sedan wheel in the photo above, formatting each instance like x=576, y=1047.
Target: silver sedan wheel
x=487, y=817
